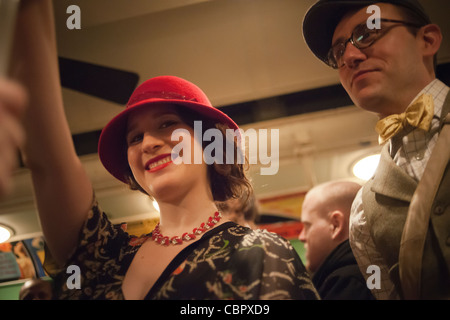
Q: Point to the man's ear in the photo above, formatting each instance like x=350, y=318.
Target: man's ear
x=337, y=221
x=432, y=36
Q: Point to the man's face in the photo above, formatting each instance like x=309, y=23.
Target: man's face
x=382, y=77
x=317, y=231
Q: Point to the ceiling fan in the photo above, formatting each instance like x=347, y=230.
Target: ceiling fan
x=100, y=81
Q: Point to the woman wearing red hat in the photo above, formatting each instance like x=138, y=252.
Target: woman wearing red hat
x=194, y=253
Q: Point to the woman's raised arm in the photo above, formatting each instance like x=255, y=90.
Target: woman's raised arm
x=62, y=188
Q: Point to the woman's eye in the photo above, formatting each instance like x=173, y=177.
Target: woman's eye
x=168, y=123
x=135, y=139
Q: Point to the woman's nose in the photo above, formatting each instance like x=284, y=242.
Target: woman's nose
x=150, y=143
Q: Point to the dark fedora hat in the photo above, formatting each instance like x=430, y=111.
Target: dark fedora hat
x=322, y=18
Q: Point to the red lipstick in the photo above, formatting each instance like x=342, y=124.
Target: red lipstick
x=159, y=162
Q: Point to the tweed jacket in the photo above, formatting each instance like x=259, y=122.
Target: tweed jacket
x=386, y=198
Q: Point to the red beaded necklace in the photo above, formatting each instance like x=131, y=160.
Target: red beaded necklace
x=165, y=241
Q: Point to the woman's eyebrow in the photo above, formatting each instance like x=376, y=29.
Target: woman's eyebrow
x=130, y=128
x=134, y=124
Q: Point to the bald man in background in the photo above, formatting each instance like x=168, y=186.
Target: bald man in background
x=325, y=215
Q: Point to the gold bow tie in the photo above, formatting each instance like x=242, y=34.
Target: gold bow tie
x=419, y=114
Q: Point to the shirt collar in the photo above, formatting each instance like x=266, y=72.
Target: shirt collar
x=439, y=92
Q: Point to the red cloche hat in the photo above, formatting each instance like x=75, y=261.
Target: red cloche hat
x=112, y=147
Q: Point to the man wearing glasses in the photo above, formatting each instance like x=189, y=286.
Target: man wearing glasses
x=390, y=70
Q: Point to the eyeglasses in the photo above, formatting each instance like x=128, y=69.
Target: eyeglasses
x=362, y=37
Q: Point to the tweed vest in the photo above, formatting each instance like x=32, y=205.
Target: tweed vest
x=386, y=198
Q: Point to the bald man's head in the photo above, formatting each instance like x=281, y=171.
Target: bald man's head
x=325, y=215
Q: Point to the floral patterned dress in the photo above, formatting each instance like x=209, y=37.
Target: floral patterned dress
x=228, y=262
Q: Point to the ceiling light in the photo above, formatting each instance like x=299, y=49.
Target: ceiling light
x=365, y=168
x=5, y=233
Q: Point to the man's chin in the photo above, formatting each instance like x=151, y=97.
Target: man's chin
x=368, y=100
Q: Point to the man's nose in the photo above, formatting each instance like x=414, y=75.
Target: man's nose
x=302, y=236
x=352, y=55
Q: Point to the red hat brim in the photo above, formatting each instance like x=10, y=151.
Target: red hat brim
x=112, y=147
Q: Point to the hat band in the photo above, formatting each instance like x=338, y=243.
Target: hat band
x=158, y=95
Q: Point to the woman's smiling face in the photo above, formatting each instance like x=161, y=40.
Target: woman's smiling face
x=150, y=145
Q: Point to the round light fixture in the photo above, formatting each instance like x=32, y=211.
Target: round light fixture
x=5, y=233
x=365, y=168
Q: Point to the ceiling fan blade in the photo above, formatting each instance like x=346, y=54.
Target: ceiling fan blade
x=100, y=81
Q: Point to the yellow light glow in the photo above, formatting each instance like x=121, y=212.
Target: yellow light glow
x=365, y=168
